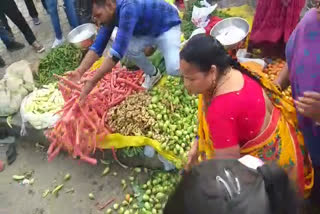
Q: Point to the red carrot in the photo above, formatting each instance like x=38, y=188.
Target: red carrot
x=71, y=84
x=87, y=118
x=134, y=86
x=89, y=160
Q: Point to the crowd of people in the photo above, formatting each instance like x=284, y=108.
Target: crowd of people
x=241, y=112
x=9, y=9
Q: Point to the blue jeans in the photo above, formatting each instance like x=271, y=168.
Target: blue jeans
x=5, y=36
x=168, y=44
x=53, y=12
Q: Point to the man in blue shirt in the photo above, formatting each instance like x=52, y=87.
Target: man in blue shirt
x=141, y=24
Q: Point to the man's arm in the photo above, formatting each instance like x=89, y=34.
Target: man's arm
x=127, y=23
x=96, y=49
x=87, y=61
x=283, y=80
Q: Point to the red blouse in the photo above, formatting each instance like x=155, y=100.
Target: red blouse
x=237, y=117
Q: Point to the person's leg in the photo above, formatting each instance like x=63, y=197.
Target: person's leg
x=31, y=8
x=53, y=12
x=135, y=53
x=71, y=13
x=4, y=35
x=169, y=45
x=32, y=11
x=2, y=62
x=4, y=21
x=44, y=5
x=8, y=39
x=11, y=10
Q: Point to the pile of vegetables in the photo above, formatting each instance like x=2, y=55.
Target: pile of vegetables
x=41, y=106
x=58, y=61
x=150, y=197
x=273, y=70
x=131, y=117
x=175, y=112
x=81, y=125
x=46, y=100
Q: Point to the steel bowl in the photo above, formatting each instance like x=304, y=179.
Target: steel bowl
x=231, y=31
x=83, y=36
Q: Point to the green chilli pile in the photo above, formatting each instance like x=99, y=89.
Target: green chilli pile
x=58, y=61
x=175, y=112
x=150, y=197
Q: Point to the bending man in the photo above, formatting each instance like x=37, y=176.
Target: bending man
x=141, y=23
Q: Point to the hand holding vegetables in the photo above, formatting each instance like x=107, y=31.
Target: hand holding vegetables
x=81, y=126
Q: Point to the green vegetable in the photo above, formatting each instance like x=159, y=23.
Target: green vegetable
x=57, y=189
x=116, y=206
x=137, y=170
x=109, y=211
x=91, y=196
x=18, y=177
x=45, y=193
x=121, y=210
x=67, y=177
x=105, y=171
x=58, y=61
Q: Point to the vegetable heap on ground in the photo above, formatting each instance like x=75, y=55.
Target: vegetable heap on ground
x=80, y=126
x=273, y=70
x=58, y=61
x=45, y=100
x=41, y=106
x=150, y=197
x=131, y=117
x=176, y=116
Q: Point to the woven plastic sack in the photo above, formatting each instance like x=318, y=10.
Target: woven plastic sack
x=38, y=121
x=15, y=85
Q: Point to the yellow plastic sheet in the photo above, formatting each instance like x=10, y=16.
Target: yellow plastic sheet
x=118, y=141
x=244, y=11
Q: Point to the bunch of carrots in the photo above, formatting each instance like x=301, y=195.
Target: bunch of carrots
x=81, y=126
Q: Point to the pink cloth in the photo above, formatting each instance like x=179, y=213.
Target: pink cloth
x=274, y=21
x=213, y=21
x=236, y=117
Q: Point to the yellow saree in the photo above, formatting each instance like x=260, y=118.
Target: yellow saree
x=280, y=141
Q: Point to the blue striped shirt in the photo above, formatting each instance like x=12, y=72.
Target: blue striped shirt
x=136, y=18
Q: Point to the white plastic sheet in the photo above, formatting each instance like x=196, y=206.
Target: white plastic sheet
x=200, y=15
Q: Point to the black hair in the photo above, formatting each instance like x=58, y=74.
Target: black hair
x=204, y=51
x=264, y=191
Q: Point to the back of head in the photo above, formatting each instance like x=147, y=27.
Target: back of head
x=229, y=187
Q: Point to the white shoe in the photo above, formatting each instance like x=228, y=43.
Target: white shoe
x=150, y=81
x=57, y=42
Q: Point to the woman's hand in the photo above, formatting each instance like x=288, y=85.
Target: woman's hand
x=309, y=105
x=192, y=156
